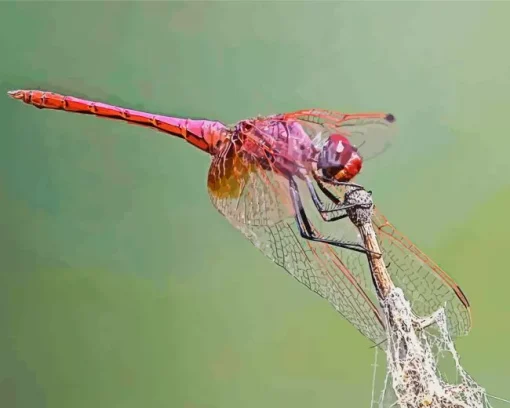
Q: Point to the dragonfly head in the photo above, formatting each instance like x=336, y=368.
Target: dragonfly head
x=339, y=160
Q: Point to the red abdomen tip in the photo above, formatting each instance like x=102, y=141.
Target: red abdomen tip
x=17, y=94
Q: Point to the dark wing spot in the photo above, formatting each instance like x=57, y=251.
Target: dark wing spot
x=390, y=118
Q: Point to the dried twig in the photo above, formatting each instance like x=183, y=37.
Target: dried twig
x=410, y=347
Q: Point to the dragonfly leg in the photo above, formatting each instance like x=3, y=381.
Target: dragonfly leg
x=331, y=195
x=325, y=211
x=307, y=230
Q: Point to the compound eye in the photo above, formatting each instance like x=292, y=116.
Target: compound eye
x=339, y=159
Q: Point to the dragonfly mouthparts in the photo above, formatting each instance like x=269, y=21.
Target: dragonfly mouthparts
x=17, y=94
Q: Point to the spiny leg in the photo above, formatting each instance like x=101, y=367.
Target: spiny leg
x=333, y=198
x=306, y=228
x=337, y=206
x=324, y=210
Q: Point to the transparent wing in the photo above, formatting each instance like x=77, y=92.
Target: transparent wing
x=244, y=193
x=425, y=284
x=257, y=202
x=254, y=196
x=371, y=133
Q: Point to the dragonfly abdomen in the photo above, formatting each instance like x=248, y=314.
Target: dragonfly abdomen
x=203, y=134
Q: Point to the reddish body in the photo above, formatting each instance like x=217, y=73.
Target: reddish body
x=290, y=153
x=204, y=134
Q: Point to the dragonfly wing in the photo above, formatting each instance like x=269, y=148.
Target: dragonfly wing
x=246, y=195
x=372, y=133
x=261, y=209
x=425, y=284
x=322, y=269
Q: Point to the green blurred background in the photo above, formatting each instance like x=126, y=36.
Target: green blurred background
x=121, y=286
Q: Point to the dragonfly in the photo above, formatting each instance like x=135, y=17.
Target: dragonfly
x=280, y=180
